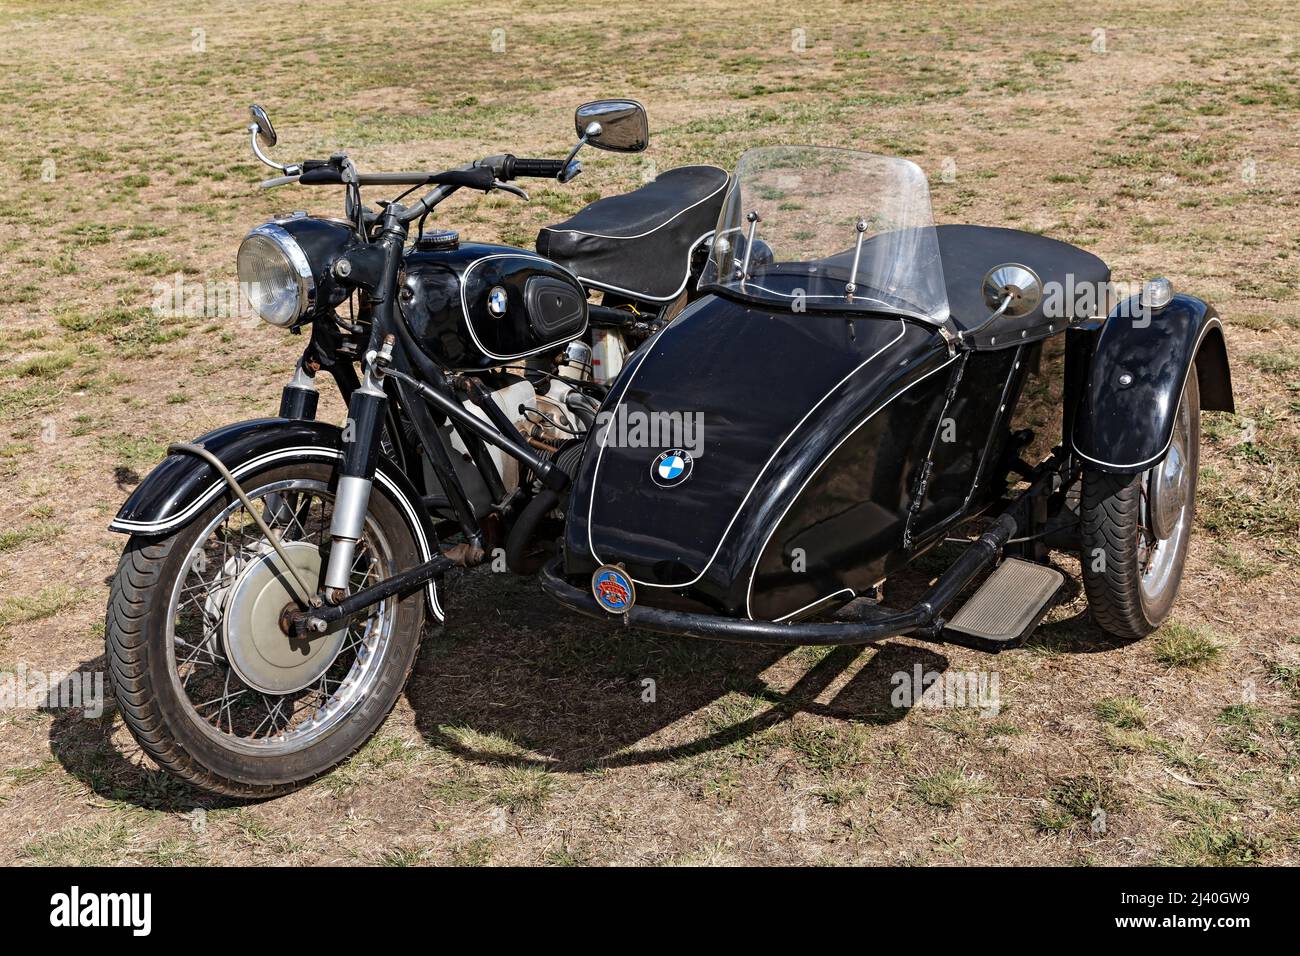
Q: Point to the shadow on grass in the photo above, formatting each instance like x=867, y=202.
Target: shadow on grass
x=84, y=747
x=514, y=680
x=576, y=694
x=1074, y=635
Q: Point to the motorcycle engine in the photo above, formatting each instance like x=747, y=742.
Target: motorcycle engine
x=546, y=407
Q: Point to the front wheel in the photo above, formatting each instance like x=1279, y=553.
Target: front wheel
x=1136, y=529
x=210, y=684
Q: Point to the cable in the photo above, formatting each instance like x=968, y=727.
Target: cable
x=548, y=419
x=1041, y=534
x=1031, y=537
x=571, y=382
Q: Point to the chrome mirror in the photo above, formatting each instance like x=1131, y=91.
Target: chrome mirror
x=261, y=126
x=263, y=135
x=1012, y=289
x=620, y=126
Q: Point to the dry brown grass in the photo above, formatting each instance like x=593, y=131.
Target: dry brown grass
x=523, y=737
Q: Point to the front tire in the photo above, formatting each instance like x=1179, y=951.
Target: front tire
x=1131, y=575
x=190, y=641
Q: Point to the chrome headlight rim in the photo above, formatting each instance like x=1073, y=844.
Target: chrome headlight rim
x=298, y=263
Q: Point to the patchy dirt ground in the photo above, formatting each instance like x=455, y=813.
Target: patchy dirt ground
x=1161, y=136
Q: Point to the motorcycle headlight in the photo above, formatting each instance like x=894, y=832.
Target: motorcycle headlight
x=275, y=275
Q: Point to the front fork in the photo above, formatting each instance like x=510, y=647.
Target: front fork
x=361, y=440
x=377, y=274
x=298, y=399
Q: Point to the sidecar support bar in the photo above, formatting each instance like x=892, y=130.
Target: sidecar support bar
x=922, y=619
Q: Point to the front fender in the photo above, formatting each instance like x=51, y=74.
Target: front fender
x=1125, y=429
x=181, y=486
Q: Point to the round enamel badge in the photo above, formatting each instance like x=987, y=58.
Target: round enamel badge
x=613, y=589
x=672, y=467
x=497, y=301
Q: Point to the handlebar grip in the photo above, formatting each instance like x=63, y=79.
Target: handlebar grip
x=321, y=176
x=539, y=168
x=476, y=177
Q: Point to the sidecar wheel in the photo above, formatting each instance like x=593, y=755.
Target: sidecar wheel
x=1130, y=572
x=209, y=685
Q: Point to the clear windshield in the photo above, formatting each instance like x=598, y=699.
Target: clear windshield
x=810, y=227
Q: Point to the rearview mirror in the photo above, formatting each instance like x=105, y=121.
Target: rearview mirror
x=1012, y=289
x=620, y=126
x=265, y=131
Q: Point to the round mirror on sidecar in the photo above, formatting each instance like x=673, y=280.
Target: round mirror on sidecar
x=262, y=126
x=1012, y=289
x=620, y=126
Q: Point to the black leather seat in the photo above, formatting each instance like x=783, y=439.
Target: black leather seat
x=639, y=243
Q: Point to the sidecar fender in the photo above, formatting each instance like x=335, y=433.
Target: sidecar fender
x=1140, y=362
x=182, y=485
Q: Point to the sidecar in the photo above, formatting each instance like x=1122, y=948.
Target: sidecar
x=853, y=393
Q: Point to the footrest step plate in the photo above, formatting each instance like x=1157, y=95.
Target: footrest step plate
x=1007, y=607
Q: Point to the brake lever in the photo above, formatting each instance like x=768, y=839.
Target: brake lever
x=511, y=188
x=277, y=181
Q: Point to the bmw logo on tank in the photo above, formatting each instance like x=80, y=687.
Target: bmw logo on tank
x=672, y=467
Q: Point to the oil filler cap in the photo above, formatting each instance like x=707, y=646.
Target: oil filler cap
x=437, y=240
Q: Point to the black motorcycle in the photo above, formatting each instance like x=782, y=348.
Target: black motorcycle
x=268, y=606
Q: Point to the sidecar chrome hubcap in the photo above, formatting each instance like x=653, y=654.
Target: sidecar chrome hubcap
x=262, y=655
x=1166, y=511
x=1169, y=483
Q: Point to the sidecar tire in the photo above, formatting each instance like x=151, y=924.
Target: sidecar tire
x=1112, y=512
x=136, y=635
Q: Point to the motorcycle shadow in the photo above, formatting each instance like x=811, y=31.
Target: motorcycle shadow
x=85, y=747
x=515, y=680
x=570, y=691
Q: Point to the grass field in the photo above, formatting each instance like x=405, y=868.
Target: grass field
x=1160, y=135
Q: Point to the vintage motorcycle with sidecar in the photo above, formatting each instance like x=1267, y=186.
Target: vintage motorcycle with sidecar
x=856, y=375
x=268, y=606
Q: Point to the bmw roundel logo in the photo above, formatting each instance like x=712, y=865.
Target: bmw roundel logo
x=497, y=301
x=672, y=467
x=613, y=589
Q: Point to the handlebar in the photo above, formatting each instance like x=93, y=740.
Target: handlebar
x=484, y=175
x=476, y=177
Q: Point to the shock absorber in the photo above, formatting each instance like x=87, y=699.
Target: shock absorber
x=361, y=436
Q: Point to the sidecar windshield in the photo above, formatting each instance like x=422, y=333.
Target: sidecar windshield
x=823, y=229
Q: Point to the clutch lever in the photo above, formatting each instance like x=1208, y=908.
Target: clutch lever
x=277, y=181
x=511, y=188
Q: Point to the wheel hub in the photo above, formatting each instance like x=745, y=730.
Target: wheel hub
x=257, y=647
x=1168, y=491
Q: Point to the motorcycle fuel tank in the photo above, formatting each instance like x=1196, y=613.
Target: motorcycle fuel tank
x=703, y=450
x=475, y=305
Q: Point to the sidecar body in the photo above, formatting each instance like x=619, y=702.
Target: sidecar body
x=848, y=397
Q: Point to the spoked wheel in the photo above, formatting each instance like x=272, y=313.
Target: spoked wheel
x=213, y=685
x=1136, y=529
